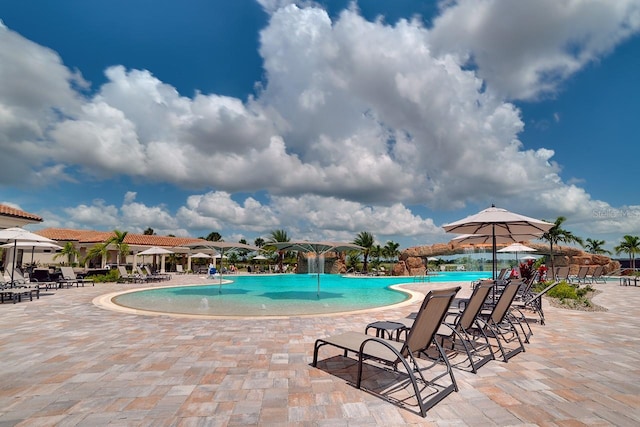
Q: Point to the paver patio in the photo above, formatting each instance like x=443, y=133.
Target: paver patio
x=67, y=362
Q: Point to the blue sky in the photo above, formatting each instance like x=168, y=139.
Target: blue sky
x=324, y=119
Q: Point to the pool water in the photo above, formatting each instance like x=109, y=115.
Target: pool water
x=278, y=295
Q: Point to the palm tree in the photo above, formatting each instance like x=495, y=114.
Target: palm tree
x=117, y=240
x=70, y=251
x=149, y=232
x=594, y=246
x=630, y=245
x=259, y=242
x=278, y=236
x=366, y=240
x=558, y=234
x=391, y=251
x=97, y=250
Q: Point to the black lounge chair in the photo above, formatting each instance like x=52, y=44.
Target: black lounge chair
x=420, y=339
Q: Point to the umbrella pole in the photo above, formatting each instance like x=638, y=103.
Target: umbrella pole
x=220, y=272
x=495, y=259
x=13, y=261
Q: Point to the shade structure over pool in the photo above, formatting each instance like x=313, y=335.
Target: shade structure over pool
x=494, y=222
x=318, y=248
x=221, y=246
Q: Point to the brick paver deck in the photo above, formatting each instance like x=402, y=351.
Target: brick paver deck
x=66, y=362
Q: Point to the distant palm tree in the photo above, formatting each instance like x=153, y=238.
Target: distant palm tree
x=117, y=240
x=278, y=236
x=214, y=236
x=631, y=246
x=149, y=232
x=596, y=247
x=259, y=242
x=69, y=250
x=558, y=234
x=391, y=252
x=366, y=240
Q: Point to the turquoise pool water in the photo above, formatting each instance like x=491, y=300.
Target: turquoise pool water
x=278, y=295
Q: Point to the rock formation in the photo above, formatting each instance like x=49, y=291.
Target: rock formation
x=412, y=260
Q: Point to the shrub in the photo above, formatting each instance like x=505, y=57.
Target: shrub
x=111, y=276
x=563, y=291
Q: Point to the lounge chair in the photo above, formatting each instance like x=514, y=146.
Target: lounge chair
x=581, y=277
x=462, y=329
x=466, y=331
x=125, y=277
x=598, y=275
x=562, y=273
x=420, y=339
x=156, y=276
x=533, y=302
x=69, y=274
x=498, y=323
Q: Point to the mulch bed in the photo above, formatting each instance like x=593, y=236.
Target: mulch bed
x=579, y=305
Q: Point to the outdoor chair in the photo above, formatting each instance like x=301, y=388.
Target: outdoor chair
x=421, y=338
x=465, y=331
x=126, y=277
x=498, y=324
x=597, y=275
x=156, y=276
x=69, y=274
x=581, y=277
x=533, y=302
x=562, y=273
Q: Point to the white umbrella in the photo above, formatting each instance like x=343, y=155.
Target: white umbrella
x=17, y=234
x=34, y=246
x=259, y=258
x=517, y=247
x=498, y=222
x=155, y=250
x=319, y=248
x=200, y=255
x=528, y=257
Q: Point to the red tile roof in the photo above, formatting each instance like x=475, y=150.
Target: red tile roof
x=92, y=236
x=17, y=213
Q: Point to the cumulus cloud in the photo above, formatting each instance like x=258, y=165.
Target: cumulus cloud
x=356, y=121
x=525, y=50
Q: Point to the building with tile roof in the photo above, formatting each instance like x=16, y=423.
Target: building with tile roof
x=12, y=217
x=84, y=240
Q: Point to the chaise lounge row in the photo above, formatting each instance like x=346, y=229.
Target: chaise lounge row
x=426, y=342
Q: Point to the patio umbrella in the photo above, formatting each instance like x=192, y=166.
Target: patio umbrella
x=155, y=250
x=17, y=234
x=494, y=222
x=200, y=255
x=34, y=246
x=221, y=247
x=318, y=248
x=517, y=247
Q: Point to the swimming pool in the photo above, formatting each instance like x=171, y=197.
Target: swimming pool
x=279, y=295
